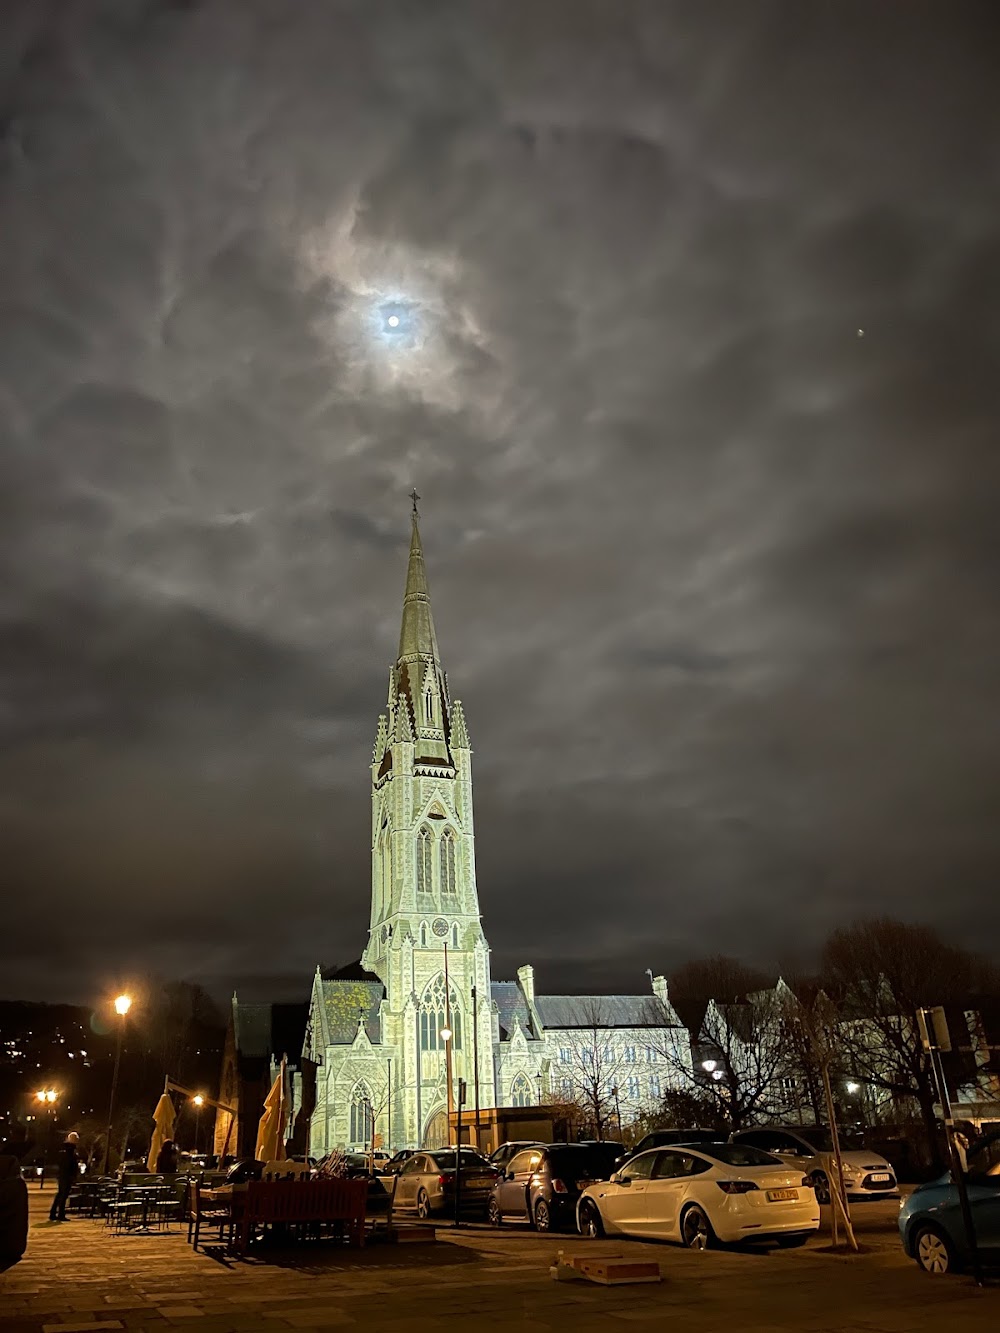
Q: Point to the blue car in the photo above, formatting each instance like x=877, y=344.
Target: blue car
x=930, y=1220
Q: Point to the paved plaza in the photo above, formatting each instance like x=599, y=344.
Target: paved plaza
x=76, y=1277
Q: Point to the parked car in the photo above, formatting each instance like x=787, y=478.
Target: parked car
x=663, y=1138
x=931, y=1226
x=810, y=1148
x=719, y=1191
x=541, y=1185
x=427, y=1181
x=394, y=1164
x=499, y=1157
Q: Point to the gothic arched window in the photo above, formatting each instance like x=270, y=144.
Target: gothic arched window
x=425, y=863
x=520, y=1092
x=448, y=881
x=361, y=1115
x=434, y=1015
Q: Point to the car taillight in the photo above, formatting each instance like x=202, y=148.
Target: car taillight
x=559, y=1188
x=442, y=1181
x=736, y=1186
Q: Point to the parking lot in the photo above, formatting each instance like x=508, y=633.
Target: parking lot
x=77, y=1279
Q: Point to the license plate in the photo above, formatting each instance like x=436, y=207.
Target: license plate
x=781, y=1196
x=880, y=1180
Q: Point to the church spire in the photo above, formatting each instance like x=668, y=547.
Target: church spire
x=416, y=636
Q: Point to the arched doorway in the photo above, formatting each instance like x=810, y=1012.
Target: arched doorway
x=436, y=1134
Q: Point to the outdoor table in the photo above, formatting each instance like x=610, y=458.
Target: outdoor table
x=145, y=1195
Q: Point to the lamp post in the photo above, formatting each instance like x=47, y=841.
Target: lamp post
x=475, y=1058
x=446, y=1037
x=123, y=1003
x=198, y=1101
x=46, y=1099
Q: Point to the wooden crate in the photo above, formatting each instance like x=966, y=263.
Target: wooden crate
x=613, y=1270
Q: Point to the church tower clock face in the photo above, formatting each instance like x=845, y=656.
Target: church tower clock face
x=440, y=927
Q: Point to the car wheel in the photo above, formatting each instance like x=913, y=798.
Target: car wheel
x=543, y=1218
x=423, y=1205
x=494, y=1214
x=696, y=1230
x=933, y=1251
x=590, y=1222
x=822, y=1186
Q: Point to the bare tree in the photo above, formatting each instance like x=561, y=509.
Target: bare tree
x=881, y=971
x=594, y=1069
x=735, y=1017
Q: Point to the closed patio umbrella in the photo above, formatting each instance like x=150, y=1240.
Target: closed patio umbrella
x=163, y=1128
x=271, y=1129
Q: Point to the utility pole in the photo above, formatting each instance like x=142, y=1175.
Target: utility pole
x=458, y=1152
x=935, y=1038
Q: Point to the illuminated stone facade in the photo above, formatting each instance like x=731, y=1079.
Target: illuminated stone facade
x=375, y=1027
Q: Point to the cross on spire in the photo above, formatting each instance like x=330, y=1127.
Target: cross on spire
x=414, y=497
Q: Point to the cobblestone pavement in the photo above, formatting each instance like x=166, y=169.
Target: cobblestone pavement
x=76, y=1278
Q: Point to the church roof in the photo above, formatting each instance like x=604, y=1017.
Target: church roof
x=416, y=635
x=510, y=1002
x=346, y=998
x=606, y=1011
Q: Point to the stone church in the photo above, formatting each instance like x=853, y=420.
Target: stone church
x=377, y=1030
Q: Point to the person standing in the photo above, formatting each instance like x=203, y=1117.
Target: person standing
x=68, y=1173
x=166, y=1161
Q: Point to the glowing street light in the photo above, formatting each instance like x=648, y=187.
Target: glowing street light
x=709, y=1066
x=853, y=1087
x=46, y=1095
x=198, y=1101
x=123, y=1003
x=446, y=1034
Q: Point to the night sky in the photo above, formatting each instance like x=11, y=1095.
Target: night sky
x=697, y=368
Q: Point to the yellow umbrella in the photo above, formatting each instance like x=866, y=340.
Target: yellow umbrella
x=271, y=1128
x=163, y=1128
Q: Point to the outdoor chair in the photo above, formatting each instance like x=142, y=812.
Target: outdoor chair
x=207, y=1213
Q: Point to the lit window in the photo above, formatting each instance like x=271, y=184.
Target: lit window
x=448, y=881
x=520, y=1093
x=425, y=865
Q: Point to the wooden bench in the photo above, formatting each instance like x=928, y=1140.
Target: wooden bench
x=313, y=1204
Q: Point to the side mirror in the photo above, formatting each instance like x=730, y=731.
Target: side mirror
x=618, y=1179
x=508, y=1175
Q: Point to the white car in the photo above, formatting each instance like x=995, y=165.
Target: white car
x=809, y=1148
x=699, y=1194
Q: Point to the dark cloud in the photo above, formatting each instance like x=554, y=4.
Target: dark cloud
x=696, y=376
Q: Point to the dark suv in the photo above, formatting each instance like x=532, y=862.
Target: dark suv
x=667, y=1138
x=542, y=1184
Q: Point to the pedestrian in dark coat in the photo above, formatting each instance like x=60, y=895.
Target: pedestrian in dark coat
x=166, y=1159
x=67, y=1174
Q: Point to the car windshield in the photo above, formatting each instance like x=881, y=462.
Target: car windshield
x=738, y=1154
x=445, y=1161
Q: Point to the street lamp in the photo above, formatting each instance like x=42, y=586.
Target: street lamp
x=46, y=1099
x=853, y=1088
x=123, y=1003
x=199, y=1102
x=709, y=1066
